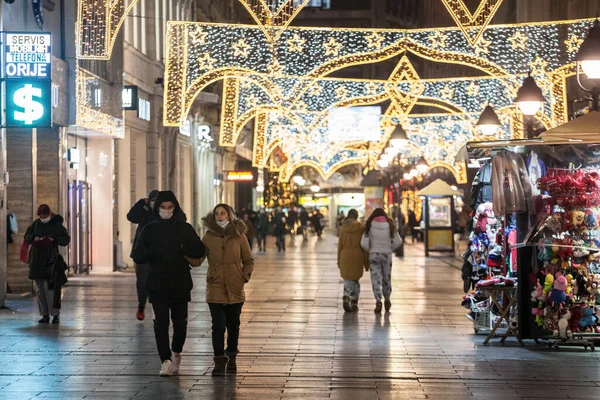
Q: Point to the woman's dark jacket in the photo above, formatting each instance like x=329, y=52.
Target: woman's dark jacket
x=164, y=244
x=43, y=252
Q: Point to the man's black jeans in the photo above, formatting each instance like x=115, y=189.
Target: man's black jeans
x=141, y=274
x=225, y=316
x=179, y=316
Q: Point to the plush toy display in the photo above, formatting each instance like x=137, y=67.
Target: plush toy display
x=558, y=295
x=575, y=317
x=563, y=331
x=588, y=319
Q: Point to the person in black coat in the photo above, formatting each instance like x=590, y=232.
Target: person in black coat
x=44, y=235
x=142, y=214
x=280, y=224
x=167, y=244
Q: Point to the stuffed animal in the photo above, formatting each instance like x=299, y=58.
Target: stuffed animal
x=563, y=330
x=514, y=322
x=588, y=319
x=582, y=291
x=594, y=290
x=550, y=319
x=557, y=295
x=548, y=283
x=569, y=289
x=578, y=218
x=575, y=317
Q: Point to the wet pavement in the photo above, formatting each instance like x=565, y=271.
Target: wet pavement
x=296, y=342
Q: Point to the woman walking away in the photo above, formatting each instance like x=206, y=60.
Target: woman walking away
x=166, y=244
x=351, y=259
x=380, y=240
x=230, y=265
x=45, y=235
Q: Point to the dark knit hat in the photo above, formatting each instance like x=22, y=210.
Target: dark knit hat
x=152, y=194
x=44, y=209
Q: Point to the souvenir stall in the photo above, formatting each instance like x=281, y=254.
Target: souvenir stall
x=545, y=207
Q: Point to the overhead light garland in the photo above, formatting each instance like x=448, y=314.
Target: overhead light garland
x=472, y=24
x=97, y=26
x=273, y=16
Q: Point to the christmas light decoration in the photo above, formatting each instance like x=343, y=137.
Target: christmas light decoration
x=472, y=24
x=97, y=26
x=257, y=81
x=273, y=16
x=107, y=116
x=278, y=193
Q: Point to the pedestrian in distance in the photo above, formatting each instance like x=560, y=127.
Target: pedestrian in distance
x=352, y=259
x=249, y=229
x=167, y=244
x=280, y=229
x=304, y=218
x=292, y=219
x=262, y=229
x=380, y=239
x=230, y=266
x=46, y=266
x=142, y=214
x=318, y=222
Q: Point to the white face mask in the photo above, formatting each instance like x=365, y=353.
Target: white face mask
x=223, y=224
x=165, y=214
x=46, y=220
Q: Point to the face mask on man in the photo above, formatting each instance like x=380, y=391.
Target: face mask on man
x=46, y=220
x=223, y=224
x=165, y=214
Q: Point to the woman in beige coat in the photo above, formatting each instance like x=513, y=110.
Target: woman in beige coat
x=352, y=259
x=230, y=265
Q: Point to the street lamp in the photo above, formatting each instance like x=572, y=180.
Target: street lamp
x=530, y=97
x=299, y=180
x=399, y=137
x=588, y=58
x=315, y=188
x=488, y=122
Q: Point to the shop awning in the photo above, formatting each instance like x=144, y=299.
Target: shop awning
x=585, y=129
x=438, y=188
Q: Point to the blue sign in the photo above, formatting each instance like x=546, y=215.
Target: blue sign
x=27, y=55
x=28, y=103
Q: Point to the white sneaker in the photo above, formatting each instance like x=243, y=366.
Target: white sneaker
x=167, y=368
x=176, y=362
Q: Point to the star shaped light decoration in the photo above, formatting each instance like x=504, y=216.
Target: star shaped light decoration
x=332, y=47
x=241, y=48
x=206, y=62
x=447, y=92
x=518, y=41
x=473, y=89
x=341, y=92
x=482, y=46
x=275, y=67
x=198, y=35
x=296, y=44
x=438, y=40
x=315, y=90
x=371, y=89
x=539, y=65
x=374, y=40
x=301, y=106
x=252, y=101
x=573, y=43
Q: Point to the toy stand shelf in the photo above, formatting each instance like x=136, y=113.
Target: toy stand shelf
x=558, y=343
x=508, y=293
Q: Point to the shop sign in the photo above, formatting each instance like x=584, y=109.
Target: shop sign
x=204, y=134
x=130, y=97
x=28, y=104
x=239, y=176
x=27, y=55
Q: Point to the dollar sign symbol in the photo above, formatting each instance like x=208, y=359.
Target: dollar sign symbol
x=32, y=110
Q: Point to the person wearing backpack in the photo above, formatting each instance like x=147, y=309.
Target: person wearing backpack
x=380, y=239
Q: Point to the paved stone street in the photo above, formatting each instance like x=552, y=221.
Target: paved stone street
x=296, y=342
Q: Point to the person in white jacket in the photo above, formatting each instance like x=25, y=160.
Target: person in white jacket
x=380, y=239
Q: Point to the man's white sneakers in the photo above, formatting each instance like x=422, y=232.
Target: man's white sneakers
x=167, y=368
x=176, y=362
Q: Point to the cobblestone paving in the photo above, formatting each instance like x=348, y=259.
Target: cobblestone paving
x=296, y=342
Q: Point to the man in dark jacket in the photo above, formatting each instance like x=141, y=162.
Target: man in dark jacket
x=280, y=225
x=304, y=218
x=168, y=244
x=45, y=235
x=141, y=213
